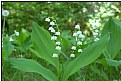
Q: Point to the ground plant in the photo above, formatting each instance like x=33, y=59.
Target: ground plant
x=51, y=53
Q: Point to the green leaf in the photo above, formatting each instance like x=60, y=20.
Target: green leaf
x=7, y=49
x=22, y=37
x=86, y=57
x=26, y=44
x=111, y=62
x=114, y=27
x=29, y=65
x=43, y=44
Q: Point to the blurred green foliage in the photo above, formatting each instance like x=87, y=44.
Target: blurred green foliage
x=67, y=14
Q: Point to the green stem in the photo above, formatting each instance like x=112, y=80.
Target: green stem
x=14, y=76
x=3, y=26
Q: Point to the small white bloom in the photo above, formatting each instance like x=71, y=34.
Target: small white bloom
x=52, y=23
x=47, y=19
x=16, y=33
x=93, y=27
x=57, y=33
x=79, y=43
x=50, y=28
x=10, y=7
x=96, y=31
x=11, y=39
x=77, y=26
x=53, y=38
x=73, y=48
x=81, y=36
x=58, y=48
x=75, y=34
x=79, y=32
x=96, y=39
x=95, y=34
x=79, y=50
x=53, y=31
x=57, y=43
x=55, y=55
x=5, y=13
x=72, y=55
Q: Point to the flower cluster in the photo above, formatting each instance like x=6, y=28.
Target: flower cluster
x=55, y=34
x=78, y=33
x=79, y=36
x=16, y=34
x=95, y=34
x=95, y=23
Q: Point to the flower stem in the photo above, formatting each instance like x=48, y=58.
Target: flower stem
x=3, y=26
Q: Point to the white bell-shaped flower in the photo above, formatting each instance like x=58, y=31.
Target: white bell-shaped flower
x=57, y=33
x=47, y=19
x=81, y=36
x=55, y=55
x=11, y=39
x=58, y=48
x=57, y=43
x=75, y=34
x=16, y=33
x=53, y=31
x=52, y=23
x=79, y=50
x=79, y=32
x=79, y=43
x=72, y=55
x=77, y=26
x=96, y=39
x=50, y=28
x=53, y=38
x=73, y=47
x=95, y=34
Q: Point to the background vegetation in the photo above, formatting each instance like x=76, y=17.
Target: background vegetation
x=89, y=15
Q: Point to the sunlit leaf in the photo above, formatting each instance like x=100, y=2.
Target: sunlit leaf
x=114, y=27
x=29, y=65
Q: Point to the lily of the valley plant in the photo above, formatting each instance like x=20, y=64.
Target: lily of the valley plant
x=49, y=46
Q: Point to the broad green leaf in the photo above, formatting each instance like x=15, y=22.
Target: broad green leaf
x=86, y=57
x=26, y=44
x=29, y=65
x=7, y=49
x=111, y=62
x=22, y=37
x=43, y=44
x=114, y=27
